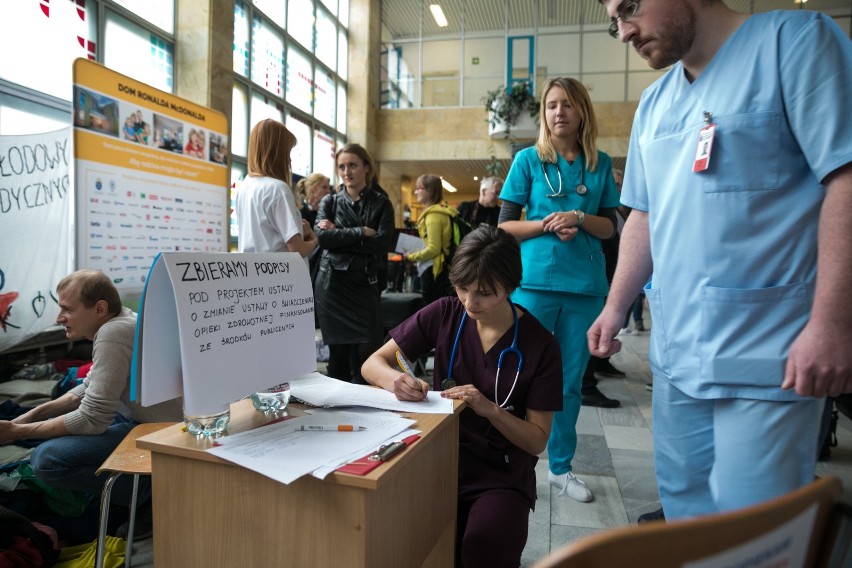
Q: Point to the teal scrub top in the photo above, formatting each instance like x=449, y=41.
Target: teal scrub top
x=575, y=266
x=734, y=247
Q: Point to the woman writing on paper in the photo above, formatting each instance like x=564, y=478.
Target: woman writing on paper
x=268, y=218
x=509, y=409
x=355, y=229
x=435, y=228
x=566, y=186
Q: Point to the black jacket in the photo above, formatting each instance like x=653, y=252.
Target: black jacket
x=345, y=247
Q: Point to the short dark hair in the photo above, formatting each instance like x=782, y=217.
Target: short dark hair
x=489, y=256
x=93, y=286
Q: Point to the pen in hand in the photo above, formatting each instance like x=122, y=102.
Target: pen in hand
x=406, y=366
x=330, y=428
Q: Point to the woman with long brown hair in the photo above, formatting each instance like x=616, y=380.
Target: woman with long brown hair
x=269, y=220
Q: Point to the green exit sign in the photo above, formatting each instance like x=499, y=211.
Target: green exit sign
x=476, y=61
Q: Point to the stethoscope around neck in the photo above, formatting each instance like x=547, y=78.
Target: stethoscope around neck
x=449, y=382
x=581, y=188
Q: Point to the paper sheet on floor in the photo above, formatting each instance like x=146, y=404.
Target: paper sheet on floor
x=320, y=390
x=283, y=453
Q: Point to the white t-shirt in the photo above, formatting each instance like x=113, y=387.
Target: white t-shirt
x=267, y=215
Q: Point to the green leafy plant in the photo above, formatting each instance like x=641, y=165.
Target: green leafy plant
x=504, y=105
x=494, y=168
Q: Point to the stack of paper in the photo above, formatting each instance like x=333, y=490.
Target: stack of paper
x=284, y=452
x=320, y=390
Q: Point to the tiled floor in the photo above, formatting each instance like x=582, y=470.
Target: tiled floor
x=614, y=458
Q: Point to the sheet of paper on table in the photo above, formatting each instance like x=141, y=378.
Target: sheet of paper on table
x=323, y=471
x=320, y=390
x=284, y=453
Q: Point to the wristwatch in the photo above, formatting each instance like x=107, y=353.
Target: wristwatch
x=581, y=217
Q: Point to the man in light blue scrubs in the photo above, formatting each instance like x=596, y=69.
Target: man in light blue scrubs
x=739, y=174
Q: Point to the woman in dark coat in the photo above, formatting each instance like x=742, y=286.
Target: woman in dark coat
x=355, y=230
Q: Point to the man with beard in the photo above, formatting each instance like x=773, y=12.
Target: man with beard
x=751, y=321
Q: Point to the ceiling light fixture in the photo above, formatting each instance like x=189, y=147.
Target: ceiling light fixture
x=448, y=186
x=438, y=14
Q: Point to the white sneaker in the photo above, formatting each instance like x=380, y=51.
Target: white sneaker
x=572, y=485
x=625, y=331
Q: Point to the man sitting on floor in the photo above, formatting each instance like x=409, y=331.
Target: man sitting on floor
x=84, y=426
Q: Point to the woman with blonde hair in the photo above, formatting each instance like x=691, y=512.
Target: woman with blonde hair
x=311, y=190
x=566, y=186
x=268, y=218
x=435, y=228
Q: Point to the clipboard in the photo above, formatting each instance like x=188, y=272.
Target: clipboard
x=366, y=464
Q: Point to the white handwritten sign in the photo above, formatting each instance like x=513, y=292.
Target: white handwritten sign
x=35, y=197
x=217, y=326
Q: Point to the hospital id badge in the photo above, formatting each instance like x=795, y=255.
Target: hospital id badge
x=705, y=146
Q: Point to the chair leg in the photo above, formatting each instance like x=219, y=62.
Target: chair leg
x=102, y=528
x=131, y=526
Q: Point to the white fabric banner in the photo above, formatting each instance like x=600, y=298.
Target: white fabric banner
x=35, y=231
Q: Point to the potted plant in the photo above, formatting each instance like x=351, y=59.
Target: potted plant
x=512, y=112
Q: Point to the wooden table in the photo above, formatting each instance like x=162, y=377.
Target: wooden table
x=209, y=512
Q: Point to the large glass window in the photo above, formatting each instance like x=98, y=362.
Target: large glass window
x=44, y=38
x=143, y=55
x=161, y=13
x=324, y=95
x=300, y=22
x=300, y=156
x=239, y=120
x=275, y=10
x=324, y=153
x=343, y=13
x=342, y=54
x=300, y=81
x=42, y=41
x=307, y=53
x=241, y=39
x=267, y=57
x=490, y=43
x=262, y=107
x=326, y=50
x=341, y=108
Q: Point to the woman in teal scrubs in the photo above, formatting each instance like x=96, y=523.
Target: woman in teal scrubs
x=566, y=186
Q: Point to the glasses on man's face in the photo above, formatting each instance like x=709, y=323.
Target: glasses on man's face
x=625, y=12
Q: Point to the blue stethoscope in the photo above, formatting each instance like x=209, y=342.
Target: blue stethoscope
x=449, y=382
x=581, y=188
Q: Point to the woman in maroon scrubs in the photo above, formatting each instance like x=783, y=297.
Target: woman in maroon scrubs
x=507, y=420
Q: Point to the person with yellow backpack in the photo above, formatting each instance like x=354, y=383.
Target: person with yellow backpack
x=435, y=227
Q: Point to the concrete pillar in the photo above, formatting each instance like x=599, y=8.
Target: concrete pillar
x=204, y=40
